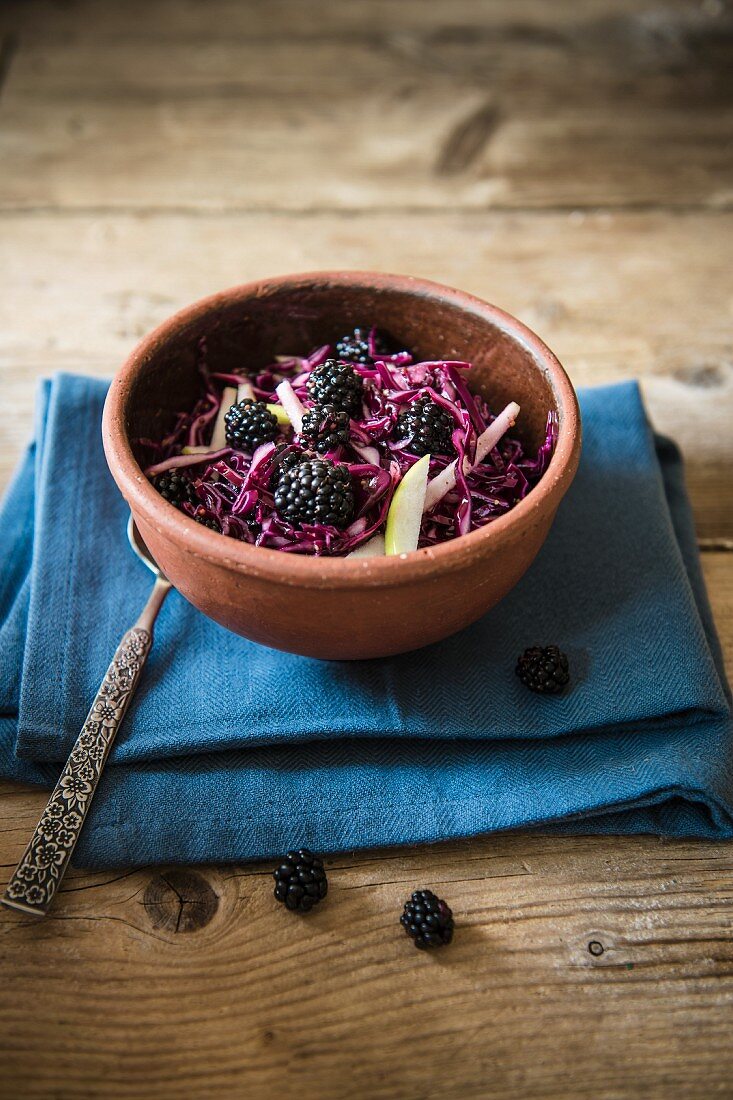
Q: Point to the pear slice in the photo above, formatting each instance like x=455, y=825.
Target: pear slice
x=405, y=511
x=218, y=436
x=443, y=482
x=280, y=415
x=292, y=404
x=374, y=548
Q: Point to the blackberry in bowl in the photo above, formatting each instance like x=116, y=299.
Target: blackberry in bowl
x=324, y=428
x=427, y=427
x=316, y=491
x=336, y=384
x=362, y=345
x=249, y=424
x=309, y=587
x=174, y=487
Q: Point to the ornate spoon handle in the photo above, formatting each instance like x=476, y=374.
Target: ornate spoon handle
x=44, y=862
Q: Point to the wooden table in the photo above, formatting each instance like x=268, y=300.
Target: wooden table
x=569, y=161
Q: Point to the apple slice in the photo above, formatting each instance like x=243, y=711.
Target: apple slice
x=405, y=511
x=280, y=415
x=218, y=436
x=292, y=404
x=443, y=482
x=374, y=548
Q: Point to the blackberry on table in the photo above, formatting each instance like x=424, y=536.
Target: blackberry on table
x=316, y=491
x=544, y=669
x=354, y=347
x=325, y=427
x=428, y=426
x=337, y=384
x=428, y=919
x=174, y=487
x=300, y=880
x=249, y=424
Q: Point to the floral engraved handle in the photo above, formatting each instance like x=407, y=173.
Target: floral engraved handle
x=37, y=876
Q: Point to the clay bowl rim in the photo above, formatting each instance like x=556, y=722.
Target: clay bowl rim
x=302, y=570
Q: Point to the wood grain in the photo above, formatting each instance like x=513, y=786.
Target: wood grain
x=490, y=112
x=581, y=968
x=570, y=162
x=616, y=295
x=318, y=19
x=258, y=1003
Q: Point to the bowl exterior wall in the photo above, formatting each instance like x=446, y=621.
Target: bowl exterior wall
x=351, y=624
x=333, y=607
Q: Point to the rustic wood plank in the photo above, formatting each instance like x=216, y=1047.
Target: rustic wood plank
x=615, y=295
x=582, y=967
x=489, y=113
x=256, y=1001
x=324, y=18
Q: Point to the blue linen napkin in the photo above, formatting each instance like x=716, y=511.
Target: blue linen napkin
x=233, y=751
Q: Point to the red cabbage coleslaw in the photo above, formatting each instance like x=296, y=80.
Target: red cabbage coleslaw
x=307, y=455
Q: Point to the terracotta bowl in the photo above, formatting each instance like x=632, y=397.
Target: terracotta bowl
x=334, y=607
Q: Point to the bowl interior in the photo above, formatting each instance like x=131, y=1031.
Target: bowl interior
x=244, y=329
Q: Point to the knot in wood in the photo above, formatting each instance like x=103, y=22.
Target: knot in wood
x=595, y=948
x=180, y=901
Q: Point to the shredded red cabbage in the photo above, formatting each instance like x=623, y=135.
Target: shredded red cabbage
x=233, y=490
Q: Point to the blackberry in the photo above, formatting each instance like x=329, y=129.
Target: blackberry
x=325, y=427
x=336, y=384
x=300, y=880
x=428, y=920
x=354, y=348
x=249, y=424
x=428, y=426
x=316, y=491
x=543, y=669
x=174, y=487
x=206, y=521
x=284, y=462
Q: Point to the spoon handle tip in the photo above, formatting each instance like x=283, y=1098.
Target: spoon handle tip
x=43, y=864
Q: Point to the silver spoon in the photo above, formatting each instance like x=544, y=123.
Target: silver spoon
x=41, y=869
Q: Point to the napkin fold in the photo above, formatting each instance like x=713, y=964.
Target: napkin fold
x=231, y=750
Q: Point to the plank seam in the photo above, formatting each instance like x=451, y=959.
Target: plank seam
x=132, y=210
x=715, y=546
x=8, y=50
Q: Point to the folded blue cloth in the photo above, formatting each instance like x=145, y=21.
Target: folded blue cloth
x=233, y=751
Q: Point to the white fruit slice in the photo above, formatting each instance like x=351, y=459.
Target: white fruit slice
x=292, y=404
x=245, y=392
x=280, y=415
x=372, y=549
x=405, y=511
x=369, y=454
x=443, y=482
x=218, y=437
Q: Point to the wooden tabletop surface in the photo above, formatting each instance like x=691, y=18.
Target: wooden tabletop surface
x=569, y=161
